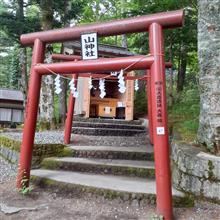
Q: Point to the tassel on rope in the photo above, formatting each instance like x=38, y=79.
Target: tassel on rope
x=136, y=85
x=57, y=85
x=73, y=88
x=90, y=83
x=121, y=81
x=102, y=88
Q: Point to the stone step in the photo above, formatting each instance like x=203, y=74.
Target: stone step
x=102, y=166
x=106, y=120
x=106, y=131
x=107, y=125
x=125, y=188
x=113, y=152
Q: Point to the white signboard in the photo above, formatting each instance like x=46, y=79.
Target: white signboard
x=160, y=131
x=107, y=110
x=89, y=44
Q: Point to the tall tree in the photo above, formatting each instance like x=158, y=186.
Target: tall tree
x=47, y=117
x=181, y=40
x=124, y=42
x=209, y=57
x=55, y=13
x=65, y=19
x=13, y=23
x=15, y=70
x=22, y=51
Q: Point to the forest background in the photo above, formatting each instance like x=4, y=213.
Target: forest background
x=24, y=16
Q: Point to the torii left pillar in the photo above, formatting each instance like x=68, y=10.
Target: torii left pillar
x=31, y=112
x=70, y=113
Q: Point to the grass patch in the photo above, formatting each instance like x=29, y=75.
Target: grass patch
x=184, y=115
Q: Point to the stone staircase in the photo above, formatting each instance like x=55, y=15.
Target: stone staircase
x=107, y=127
x=124, y=172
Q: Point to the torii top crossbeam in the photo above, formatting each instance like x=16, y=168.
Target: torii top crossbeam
x=171, y=19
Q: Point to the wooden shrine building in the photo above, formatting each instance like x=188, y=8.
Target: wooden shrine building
x=114, y=104
x=11, y=106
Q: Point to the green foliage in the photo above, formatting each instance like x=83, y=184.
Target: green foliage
x=15, y=70
x=10, y=71
x=12, y=24
x=156, y=217
x=184, y=114
x=24, y=190
x=140, y=103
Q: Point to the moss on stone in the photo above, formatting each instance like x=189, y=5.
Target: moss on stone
x=50, y=163
x=210, y=171
x=10, y=143
x=139, y=172
x=7, y=159
x=40, y=151
x=106, y=193
x=187, y=201
x=43, y=126
x=66, y=152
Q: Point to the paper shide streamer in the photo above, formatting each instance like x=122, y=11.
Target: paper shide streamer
x=57, y=85
x=73, y=88
x=136, y=85
x=102, y=88
x=121, y=82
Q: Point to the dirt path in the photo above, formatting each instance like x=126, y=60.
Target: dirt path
x=53, y=204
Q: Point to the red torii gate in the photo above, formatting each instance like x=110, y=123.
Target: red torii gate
x=154, y=24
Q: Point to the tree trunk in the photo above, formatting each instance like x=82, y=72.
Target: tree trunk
x=47, y=119
x=63, y=83
x=124, y=42
x=209, y=80
x=181, y=69
x=171, y=72
x=22, y=52
x=24, y=78
x=62, y=100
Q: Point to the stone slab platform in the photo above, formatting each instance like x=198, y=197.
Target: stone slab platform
x=116, y=186
x=106, y=131
x=108, y=125
x=102, y=166
x=109, y=162
x=113, y=152
x=143, y=149
x=106, y=120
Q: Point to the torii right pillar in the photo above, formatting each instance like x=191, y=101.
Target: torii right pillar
x=159, y=122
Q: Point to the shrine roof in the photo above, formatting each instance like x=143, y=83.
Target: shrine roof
x=105, y=50
x=10, y=94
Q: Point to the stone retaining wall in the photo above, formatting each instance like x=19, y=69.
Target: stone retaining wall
x=9, y=150
x=10, y=155
x=195, y=171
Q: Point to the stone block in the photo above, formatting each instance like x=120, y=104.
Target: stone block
x=193, y=161
x=10, y=155
x=211, y=190
x=213, y=164
x=190, y=184
x=176, y=176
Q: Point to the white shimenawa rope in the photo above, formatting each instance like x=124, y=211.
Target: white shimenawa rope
x=121, y=81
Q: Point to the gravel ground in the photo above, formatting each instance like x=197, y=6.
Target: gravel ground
x=55, y=204
x=57, y=137
x=7, y=171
